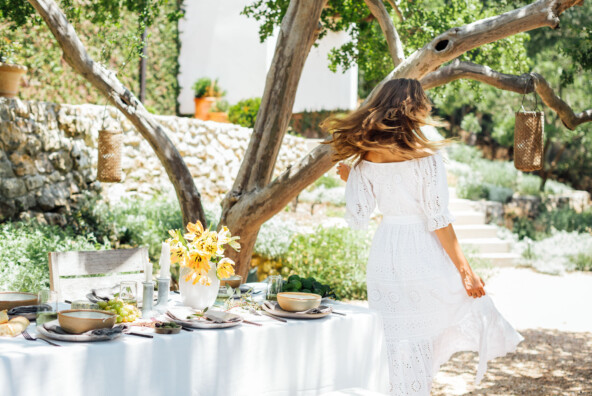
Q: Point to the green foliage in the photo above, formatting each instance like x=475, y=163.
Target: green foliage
x=9, y=51
x=550, y=220
x=470, y=123
x=244, y=113
x=423, y=20
x=205, y=86
x=307, y=123
x=307, y=285
x=334, y=256
x=328, y=181
x=23, y=252
x=221, y=105
x=111, y=32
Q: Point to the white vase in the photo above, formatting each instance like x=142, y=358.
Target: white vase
x=198, y=296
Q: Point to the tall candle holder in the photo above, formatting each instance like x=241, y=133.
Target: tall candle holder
x=164, y=285
x=147, y=298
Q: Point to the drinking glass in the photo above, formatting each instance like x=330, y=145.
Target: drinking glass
x=50, y=298
x=83, y=304
x=274, y=286
x=128, y=291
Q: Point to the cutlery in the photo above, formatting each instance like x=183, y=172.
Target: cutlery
x=139, y=334
x=170, y=315
x=255, y=312
x=29, y=337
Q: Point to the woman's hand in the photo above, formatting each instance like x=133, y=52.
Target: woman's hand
x=343, y=171
x=473, y=283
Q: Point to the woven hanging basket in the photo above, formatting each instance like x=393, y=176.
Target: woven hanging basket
x=109, y=164
x=528, y=140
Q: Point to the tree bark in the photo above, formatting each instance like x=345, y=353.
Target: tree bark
x=108, y=84
x=298, y=32
x=393, y=40
x=522, y=84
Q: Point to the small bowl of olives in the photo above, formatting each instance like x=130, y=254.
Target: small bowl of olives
x=166, y=328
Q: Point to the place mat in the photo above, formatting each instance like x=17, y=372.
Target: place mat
x=55, y=332
x=179, y=315
x=273, y=308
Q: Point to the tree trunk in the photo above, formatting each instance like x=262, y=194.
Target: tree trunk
x=108, y=84
x=243, y=211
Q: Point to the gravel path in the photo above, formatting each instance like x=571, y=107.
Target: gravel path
x=553, y=314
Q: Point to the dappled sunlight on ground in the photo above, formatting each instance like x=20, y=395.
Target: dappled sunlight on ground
x=547, y=362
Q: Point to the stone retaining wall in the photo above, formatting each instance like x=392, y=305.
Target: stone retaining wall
x=48, y=156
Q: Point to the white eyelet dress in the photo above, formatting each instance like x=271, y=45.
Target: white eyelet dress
x=412, y=282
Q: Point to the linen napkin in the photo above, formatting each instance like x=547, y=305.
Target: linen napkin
x=28, y=309
x=111, y=333
x=320, y=309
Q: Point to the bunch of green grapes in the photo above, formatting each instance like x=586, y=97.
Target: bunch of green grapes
x=126, y=313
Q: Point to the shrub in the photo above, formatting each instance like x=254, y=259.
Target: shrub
x=470, y=123
x=23, y=252
x=334, y=256
x=207, y=87
x=244, y=113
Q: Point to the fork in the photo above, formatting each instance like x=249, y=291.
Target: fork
x=31, y=338
x=255, y=312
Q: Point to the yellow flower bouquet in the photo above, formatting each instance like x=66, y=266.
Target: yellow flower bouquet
x=199, y=249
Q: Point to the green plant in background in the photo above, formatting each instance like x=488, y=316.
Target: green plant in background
x=328, y=181
x=23, y=252
x=206, y=87
x=334, y=256
x=221, y=105
x=470, y=123
x=9, y=51
x=244, y=113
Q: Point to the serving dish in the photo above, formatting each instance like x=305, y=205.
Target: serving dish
x=77, y=321
x=10, y=300
x=298, y=302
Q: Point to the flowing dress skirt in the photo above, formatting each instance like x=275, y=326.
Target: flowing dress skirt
x=426, y=311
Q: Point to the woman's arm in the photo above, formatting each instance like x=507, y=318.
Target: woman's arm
x=471, y=281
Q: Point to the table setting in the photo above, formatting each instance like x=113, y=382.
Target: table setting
x=158, y=342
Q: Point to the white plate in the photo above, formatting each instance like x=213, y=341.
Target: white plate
x=73, y=337
x=277, y=311
x=199, y=323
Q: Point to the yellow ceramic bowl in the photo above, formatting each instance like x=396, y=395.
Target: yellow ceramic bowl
x=78, y=321
x=296, y=302
x=234, y=281
x=9, y=300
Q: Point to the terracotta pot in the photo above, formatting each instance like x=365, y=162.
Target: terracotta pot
x=218, y=116
x=203, y=106
x=10, y=78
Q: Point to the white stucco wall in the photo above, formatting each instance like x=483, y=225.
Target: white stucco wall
x=218, y=42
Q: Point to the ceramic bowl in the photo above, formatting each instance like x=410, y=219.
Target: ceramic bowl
x=10, y=300
x=296, y=302
x=76, y=321
x=233, y=281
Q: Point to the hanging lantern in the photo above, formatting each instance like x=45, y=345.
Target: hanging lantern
x=528, y=138
x=109, y=164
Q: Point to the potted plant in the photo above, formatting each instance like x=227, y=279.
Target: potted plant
x=10, y=72
x=200, y=254
x=219, y=112
x=206, y=91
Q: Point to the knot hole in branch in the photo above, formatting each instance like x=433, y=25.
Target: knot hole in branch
x=442, y=45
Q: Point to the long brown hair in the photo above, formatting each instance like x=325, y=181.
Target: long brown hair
x=390, y=120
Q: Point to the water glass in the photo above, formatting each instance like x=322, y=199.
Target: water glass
x=128, y=292
x=50, y=298
x=274, y=286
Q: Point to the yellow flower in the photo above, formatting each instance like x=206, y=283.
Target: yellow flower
x=196, y=230
x=223, y=236
x=225, y=268
x=234, y=244
x=178, y=254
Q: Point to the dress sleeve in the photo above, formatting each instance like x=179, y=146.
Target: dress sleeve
x=359, y=199
x=434, y=192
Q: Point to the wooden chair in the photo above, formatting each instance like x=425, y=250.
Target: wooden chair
x=69, y=271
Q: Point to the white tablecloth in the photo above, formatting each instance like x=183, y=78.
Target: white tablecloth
x=295, y=358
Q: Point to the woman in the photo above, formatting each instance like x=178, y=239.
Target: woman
x=431, y=301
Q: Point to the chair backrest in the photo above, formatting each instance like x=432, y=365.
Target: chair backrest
x=69, y=272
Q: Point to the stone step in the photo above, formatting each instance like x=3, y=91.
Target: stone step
x=469, y=218
x=500, y=259
x=475, y=231
x=461, y=205
x=486, y=245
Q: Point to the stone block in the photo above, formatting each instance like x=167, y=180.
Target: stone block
x=7, y=209
x=61, y=160
x=25, y=202
x=43, y=164
x=11, y=136
x=34, y=182
x=12, y=187
x=55, y=219
x=22, y=164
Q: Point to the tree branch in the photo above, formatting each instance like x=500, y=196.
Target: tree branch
x=108, y=84
x=397, y=9
x=388, y=29
x=457, y=41
x=524, y=84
